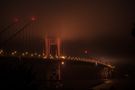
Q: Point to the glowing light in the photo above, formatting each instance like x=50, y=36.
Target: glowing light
x=39, y=55
x=1, y=51
x=35, y=53
x=31, y=55
x=51, y=57
x=44, y=57
x=56, y=56
x=33, y=18
x=109, y=65
x=72, y=58
x=23, y=54
x=63, y=57
x=13, y=53
x=26, y=53
x=62, y=62
x=96, y=63
x=43, y=54
x=76, y=58
x=86, y=52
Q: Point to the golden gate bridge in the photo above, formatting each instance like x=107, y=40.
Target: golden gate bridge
x=51, y=51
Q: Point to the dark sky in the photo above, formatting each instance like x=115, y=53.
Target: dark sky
x=103, y=27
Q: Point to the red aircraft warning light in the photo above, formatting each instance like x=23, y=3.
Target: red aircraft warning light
x=33, y=18
x=15, y=20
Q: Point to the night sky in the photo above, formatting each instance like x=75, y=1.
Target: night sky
x=103, y=27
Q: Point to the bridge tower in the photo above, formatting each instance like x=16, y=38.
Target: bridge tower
x=53, y=48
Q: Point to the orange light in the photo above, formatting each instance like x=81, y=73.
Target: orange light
x=63, y=57
x=62, y=62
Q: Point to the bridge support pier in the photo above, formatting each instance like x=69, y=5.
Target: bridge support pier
x=106, y=73
x=54, y=75
x=53, y=48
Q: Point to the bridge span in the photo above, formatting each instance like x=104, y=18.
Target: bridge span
x=51, y=57
x=59, y=58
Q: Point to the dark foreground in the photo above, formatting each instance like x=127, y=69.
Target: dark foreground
x=32, y=74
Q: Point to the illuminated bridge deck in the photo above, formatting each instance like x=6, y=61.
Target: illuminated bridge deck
x=37, y=56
